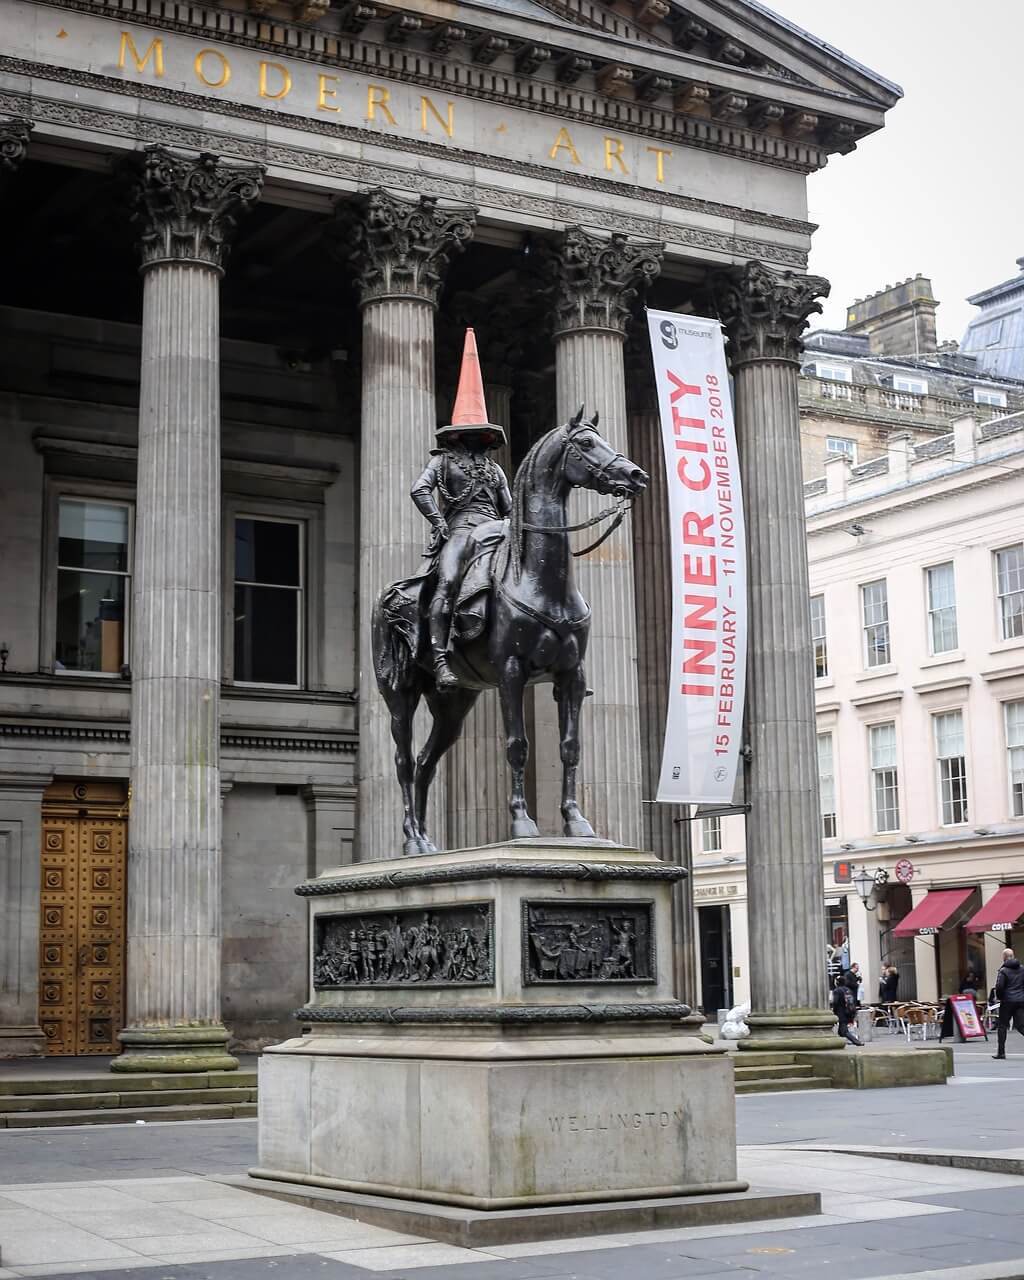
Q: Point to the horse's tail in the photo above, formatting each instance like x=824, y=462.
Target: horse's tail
x=392, y=657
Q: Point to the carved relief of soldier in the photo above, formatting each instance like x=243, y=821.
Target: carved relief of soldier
x=593, y=947
x=389, y=951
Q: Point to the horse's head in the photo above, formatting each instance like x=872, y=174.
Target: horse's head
x=592, y=463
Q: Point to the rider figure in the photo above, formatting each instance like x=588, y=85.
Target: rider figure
x=471, y=489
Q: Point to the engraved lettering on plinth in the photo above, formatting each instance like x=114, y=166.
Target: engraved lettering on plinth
x=588, y=942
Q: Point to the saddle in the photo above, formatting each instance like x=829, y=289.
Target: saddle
x=405, y=603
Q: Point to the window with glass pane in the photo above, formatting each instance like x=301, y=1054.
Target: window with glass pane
x=268, y=601
x=885, y=783
x=1010, y=590
x=93, y=588
x=835, y=445
x=711, y=835
x=951, y=755
x=1014, y=713
x=827, y=786
x=875, y=604
x=942, y=632
x=818, y=638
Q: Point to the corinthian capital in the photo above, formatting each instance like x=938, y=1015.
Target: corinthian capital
x=765, y=312
x=401, y=248
x=598, y=279
x=186, y=208
x=13, y=143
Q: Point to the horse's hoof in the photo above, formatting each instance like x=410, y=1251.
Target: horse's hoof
x=578, y=829
x=427, y=845
x=411, y=848
x=524, y=829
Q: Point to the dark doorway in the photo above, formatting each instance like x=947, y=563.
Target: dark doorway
x=715, y=959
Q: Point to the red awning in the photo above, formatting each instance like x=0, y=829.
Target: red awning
x=1001, y=912
x=932, y=911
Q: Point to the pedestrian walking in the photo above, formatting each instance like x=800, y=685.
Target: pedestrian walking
x=1010, y=994
x=844, y=1006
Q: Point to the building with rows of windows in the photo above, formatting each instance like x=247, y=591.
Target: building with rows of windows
x=917, y=606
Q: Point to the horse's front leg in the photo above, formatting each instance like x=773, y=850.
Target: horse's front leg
x=517, y=747
x=570, y=690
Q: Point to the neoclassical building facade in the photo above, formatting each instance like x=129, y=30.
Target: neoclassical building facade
x=250, y=237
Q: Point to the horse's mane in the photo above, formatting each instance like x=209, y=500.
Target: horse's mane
x=522, y=484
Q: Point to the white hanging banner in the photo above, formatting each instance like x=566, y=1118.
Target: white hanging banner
x=709, y=561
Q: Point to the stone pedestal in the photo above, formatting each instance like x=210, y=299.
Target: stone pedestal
x=186, y=209
x=497, y=1029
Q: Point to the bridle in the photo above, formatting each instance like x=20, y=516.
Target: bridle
x=617, y=512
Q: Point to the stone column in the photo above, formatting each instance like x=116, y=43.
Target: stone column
x=598, y=280
x=478, y=776
x=764, y=314
x=400, y=251
x=185, y=209
x=666, y=828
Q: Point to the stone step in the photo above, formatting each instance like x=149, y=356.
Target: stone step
x=127, y=1115
x=763, y=1058
x=790, y=1071
x=112, y=1082
x=94, y=1101
x=790, y=1085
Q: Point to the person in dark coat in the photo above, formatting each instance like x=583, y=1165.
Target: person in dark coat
x=844, y=1006
x=1010, y=994
x=889, y=985
x=971, y=984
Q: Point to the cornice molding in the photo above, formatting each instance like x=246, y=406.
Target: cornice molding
x=231, y=740
x=692, y=118
x=61, y=111
x=840, y=517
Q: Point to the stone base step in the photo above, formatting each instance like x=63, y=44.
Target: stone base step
x=763, y=1058
x=22, y=1102
x=786, y=1071
x=127, y=1115
x=109, y=1082
x=791, y=1085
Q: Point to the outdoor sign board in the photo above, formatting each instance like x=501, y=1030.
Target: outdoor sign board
x=968, y=1020
x=707, y=549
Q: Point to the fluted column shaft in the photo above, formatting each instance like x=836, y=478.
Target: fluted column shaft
x=397, y=424
x=666, y=830
x=478, y=777
x=589, y=366
x=597, y=280
x=400, y=250
x=186, y=209
x=765, y=314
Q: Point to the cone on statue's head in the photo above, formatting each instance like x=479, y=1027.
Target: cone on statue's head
x=469, y=416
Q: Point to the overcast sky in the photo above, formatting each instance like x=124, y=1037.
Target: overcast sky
x=939, y=190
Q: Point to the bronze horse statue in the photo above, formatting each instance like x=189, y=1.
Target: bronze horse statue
x=525, y=623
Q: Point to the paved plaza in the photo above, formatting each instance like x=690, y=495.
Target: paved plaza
x=147, y=1199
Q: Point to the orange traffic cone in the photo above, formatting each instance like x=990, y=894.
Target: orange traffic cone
x=470, y=412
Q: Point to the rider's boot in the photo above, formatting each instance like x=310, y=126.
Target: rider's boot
x=444, y=676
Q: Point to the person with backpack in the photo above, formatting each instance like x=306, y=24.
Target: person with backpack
x=844, y=1006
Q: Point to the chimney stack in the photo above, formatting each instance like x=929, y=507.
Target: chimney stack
x=899, y=320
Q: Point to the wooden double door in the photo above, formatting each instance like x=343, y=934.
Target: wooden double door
x=82, y=924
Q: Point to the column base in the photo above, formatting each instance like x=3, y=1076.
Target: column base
x=792, y=1031
x=22, y=1042
x=175, y=1048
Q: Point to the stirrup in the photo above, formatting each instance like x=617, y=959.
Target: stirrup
x=444, y=676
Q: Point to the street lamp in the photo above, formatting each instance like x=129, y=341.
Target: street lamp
x=866, y=882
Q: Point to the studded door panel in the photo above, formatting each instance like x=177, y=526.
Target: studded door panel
x=81, y=989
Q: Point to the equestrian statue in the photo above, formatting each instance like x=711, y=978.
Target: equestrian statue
x=493, y=603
